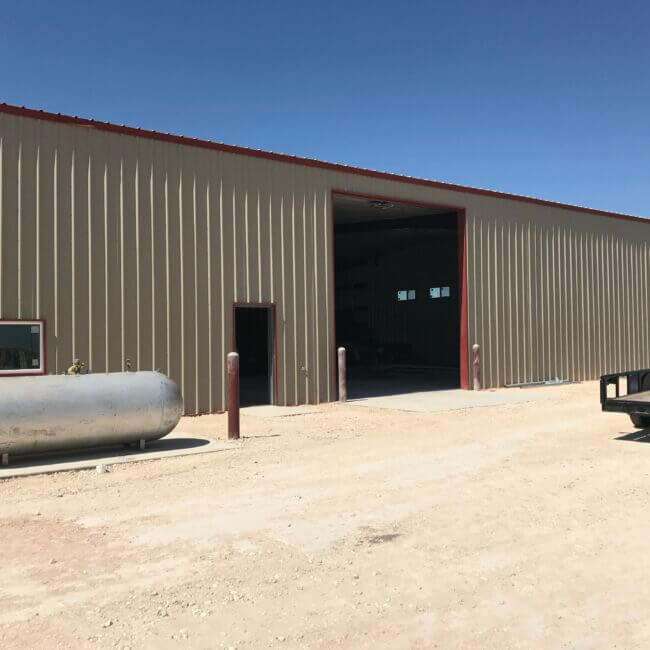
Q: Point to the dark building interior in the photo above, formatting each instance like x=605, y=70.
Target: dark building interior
x=397, y=303
x=254, y=342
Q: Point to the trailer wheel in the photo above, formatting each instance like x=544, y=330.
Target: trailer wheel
x=639, y=420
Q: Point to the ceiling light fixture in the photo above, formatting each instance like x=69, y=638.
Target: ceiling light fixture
x=381, y=205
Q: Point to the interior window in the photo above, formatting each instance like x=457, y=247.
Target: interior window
x=439, y=292
x=405, y=294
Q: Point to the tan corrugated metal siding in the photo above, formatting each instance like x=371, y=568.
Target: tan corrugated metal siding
x=557, y=294
x=132, y=247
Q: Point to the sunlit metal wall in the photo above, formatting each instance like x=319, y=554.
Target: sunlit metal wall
x=132, y=248
x=136, y=248
x=555, y=293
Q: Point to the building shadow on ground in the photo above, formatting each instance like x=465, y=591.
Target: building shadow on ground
x=167, y=444
x=386, y=382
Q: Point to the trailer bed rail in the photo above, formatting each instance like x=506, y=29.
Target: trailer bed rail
x=636, y=400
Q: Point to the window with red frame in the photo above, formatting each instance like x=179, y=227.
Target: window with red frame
x=22, y=347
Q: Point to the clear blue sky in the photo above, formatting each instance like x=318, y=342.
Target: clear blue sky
x=550, y=98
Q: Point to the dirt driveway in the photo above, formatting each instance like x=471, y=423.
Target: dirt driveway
x=523, y=526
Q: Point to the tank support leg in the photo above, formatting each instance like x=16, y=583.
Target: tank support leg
x=141, y=445
x=5, y=459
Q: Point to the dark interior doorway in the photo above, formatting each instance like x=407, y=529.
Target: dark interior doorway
x=254, y=343
x=397, y=295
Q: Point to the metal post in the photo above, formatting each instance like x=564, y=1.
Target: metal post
x=343, y=386
x=233, y=396
x=476, y=366
x=5, y=459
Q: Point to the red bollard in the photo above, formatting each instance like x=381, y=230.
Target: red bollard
x=476, y=367
x=343, y=386
x=233, y=396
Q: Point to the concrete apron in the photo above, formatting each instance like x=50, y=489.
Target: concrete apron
x=433, y=401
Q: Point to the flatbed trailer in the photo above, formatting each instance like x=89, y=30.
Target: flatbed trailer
x=636, y=400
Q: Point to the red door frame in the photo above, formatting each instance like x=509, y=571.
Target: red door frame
x=267, y=305
x=463, y=353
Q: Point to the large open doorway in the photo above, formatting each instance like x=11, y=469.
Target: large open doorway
x=254, y=341
x=397, y=295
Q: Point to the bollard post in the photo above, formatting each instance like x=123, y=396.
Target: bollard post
x=233, y=396
x=343, y=385
x=476, y=366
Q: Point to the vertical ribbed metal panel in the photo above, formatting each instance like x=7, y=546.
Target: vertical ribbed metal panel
x=137, y=248
x=564, y=296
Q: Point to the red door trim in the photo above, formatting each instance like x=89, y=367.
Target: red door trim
x=462, y=299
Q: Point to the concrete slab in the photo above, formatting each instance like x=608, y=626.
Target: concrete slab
x=269, y=411
x=450, y=400
x=174, y=444
x=400, y=381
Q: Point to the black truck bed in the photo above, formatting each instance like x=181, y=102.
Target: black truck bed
x=635, y=402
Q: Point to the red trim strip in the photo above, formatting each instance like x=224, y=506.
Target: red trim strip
x=297, y=160
x=332, y=300
x=462, y=299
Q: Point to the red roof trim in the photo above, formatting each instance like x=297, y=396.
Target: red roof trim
x=297, y=160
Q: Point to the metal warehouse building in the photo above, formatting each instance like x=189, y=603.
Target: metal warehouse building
x=129, y=248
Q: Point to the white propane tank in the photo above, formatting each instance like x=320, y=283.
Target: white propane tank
x=49, y=413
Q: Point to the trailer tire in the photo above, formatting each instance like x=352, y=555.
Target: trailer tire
x=640, y=420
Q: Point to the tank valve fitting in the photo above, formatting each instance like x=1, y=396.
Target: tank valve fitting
x=76, y=368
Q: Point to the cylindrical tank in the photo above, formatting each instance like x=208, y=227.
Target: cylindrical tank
x=49, y=413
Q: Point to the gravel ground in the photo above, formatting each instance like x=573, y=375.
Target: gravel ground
x=520, y=526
